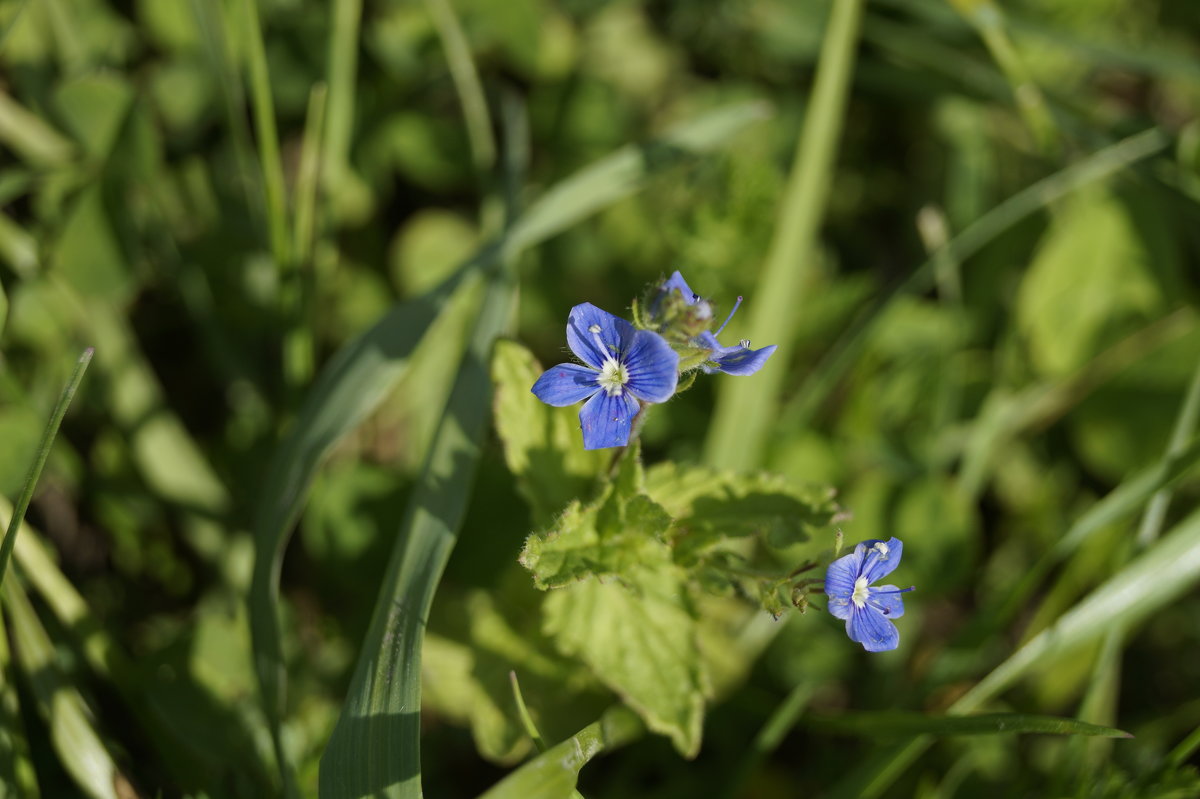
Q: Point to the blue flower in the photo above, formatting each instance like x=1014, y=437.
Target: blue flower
x=739, y=360
x=622, y=365
x=868, y=610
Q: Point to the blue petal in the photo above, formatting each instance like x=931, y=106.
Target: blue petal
x=565, y=384
x=653, y=367
x=870, y=628
x=606, y=420
x=877, y=564
x=676, y=281
x=888, y=599
x=743, y=360
x=839, y=583
x=615, y=333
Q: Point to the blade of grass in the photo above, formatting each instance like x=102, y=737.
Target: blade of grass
x=354, y=383
x=1098, y=166
x=746, y=412
x=375, y=746
x=79, y=747
x=988, y=20
x=17, y=777
x=1181, y=435
x=210, y=19
x=769, y=737
x=343, y=70
x=553, y=774
x=620, y=174
x=298, y=363
x=466, y=84
x=1163, y=573
x=266, y=134
x=904, y=724
x=39, y=461
x=29, y=136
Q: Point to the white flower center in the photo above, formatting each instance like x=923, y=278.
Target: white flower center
x=859, y=597
x=613, y=377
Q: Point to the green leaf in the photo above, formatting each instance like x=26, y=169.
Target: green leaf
x=711, y=505
x=94, y=107
x=553, y=774
x=639, y=636
x=621, y=530
x=542, y=444
x=1090, y=283
x=901, y=724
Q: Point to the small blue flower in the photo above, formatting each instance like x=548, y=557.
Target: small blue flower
x=868, y=610
x=622, y=365
x=739, y=360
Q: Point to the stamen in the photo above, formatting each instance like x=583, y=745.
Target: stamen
x=595, y=331
x=731, y=313
x=745, y=343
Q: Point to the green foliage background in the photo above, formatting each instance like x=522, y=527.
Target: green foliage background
x=293, y=232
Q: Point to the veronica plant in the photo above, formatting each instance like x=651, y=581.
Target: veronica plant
x=867, y=610
x=622, y=368
x=684, y=318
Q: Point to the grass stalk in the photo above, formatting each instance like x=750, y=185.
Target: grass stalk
x=39, y=460
x=746, y=410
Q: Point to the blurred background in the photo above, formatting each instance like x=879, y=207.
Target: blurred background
x=218, y=196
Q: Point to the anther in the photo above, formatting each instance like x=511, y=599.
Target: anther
x=745, y=343
x=731, y=313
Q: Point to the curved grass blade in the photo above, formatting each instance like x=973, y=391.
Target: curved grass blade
x=553, y=774
x=354, y=383
x=901, y=724
x=375, y=747
x=39, y=461
x=745, y=412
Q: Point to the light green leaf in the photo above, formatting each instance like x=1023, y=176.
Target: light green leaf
x=710, y=505
x=542, y=444
x=553, y=774
x=581, y=544
x=1090, y=283
x=901, y=724
x=639, y=636
x=93, y=107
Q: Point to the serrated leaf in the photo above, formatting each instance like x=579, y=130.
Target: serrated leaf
x=619, y=531
x=711, y=505
x=902, y=724
x=639, y=636
x=541, y=443
x=579, y=546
